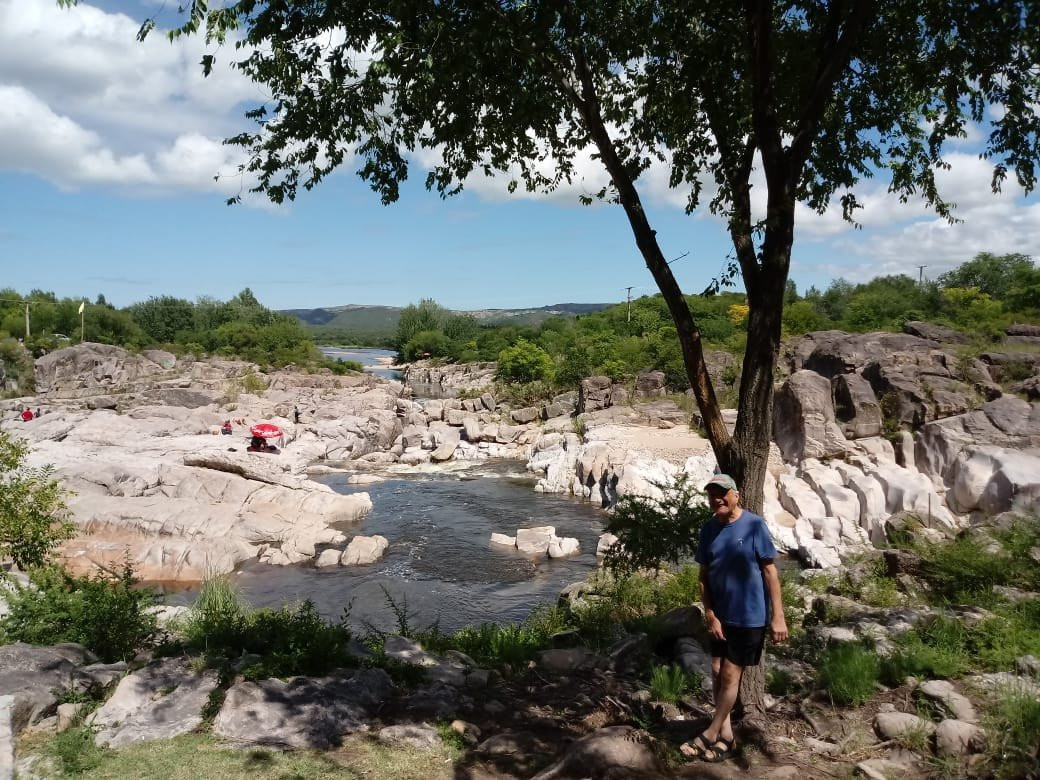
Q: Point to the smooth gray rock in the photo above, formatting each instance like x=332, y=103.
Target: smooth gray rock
x=946, y=694
x=162, y=700
x=957, y=738
x=305, y=712
x=36, y=676
x=891, y=725
x=804, y=425
x=420, y=736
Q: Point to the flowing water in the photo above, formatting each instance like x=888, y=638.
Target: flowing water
x=374, y=361
x=440, y=561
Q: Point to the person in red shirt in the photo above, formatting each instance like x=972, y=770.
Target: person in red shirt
x=27, y=414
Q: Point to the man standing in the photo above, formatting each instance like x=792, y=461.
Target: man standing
x=737, y=575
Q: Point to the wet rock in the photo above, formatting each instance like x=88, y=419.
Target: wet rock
x=364, y=550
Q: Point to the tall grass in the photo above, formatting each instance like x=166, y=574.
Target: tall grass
x=849, y=673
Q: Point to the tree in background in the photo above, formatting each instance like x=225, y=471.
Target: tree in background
x=525, y=362
x=33, y=518
x=816, y=94
x=163, y=317
x=993, y=275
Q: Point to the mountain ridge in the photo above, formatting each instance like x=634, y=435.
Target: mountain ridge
x=376, y=319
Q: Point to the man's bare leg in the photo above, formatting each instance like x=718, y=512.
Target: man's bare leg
x=726, y=688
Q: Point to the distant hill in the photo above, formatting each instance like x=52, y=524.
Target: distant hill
x=376, y=321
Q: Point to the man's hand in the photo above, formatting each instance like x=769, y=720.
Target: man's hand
x=715, y=627
x=778, y=628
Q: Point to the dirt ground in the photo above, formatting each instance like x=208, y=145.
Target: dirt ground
x=547, y=712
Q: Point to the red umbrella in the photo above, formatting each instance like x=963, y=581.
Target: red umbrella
x=266, y=431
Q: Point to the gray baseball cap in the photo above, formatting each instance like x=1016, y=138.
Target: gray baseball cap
x=722, y=481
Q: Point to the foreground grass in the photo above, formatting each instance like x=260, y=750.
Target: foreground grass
x=201, y=756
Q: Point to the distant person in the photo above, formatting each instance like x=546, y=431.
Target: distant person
x=225, y=429
x=257, y=444
x=27, y=414
x=37, y=413
x=296, y=414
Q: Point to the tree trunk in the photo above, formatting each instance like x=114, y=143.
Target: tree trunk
x=753, y=432
x=751, y=701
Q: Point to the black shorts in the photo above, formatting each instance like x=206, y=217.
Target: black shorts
x=742, y=646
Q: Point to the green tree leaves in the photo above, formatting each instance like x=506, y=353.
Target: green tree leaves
x=33, y=518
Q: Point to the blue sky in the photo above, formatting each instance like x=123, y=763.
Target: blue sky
x=108, y=150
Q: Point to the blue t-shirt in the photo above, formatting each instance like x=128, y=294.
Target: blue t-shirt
x=734, y=554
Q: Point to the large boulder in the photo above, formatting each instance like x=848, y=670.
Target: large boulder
x=162, y=700
x=303, y=712
x=92, y=369
x=804, y=425
x=36, y=677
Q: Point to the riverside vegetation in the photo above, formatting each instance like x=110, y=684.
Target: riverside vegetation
x=981, y=297
x=975, y=597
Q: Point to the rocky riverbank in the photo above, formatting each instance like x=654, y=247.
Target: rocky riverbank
x=868, y=430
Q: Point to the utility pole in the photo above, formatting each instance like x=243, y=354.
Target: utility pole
x=27, y=333
x=629, y=296
x=920, y=275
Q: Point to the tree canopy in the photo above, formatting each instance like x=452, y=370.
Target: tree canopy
x=809, y=96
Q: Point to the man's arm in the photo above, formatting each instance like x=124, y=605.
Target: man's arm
x=710, y=619
x=777, y=624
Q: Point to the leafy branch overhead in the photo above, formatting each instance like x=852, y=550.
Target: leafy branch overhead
x=804, y=99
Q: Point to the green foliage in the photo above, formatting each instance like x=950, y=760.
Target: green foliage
x=292, y=640
x=524, y=362
x=33, y=517
x=426, y=344
x=669, y=683
x=75, y=750
x=251, y=383
x=652, y=531
x=937, y=648
x=1013, y=731
x=849, y=673
x=106, y=614
x=989, y=274
x=18, y=366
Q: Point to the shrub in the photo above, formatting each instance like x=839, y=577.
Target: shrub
x=105, y=613
x=525, y=362
x=292, y=640
x=849, y=673
x=963, y=570
x=253, y=384
x=33, y=517
x=652, y=531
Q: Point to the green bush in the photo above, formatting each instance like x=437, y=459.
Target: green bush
x=33, y=517
x=849, y=673
x=292, y=640
x=653, y=531
x=964, y=569
x=105, y=614
x=525, y=362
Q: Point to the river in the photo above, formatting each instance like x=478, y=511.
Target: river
x=374, y=361
x=440, y=561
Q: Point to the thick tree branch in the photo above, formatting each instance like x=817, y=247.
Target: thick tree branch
x=587, y=104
